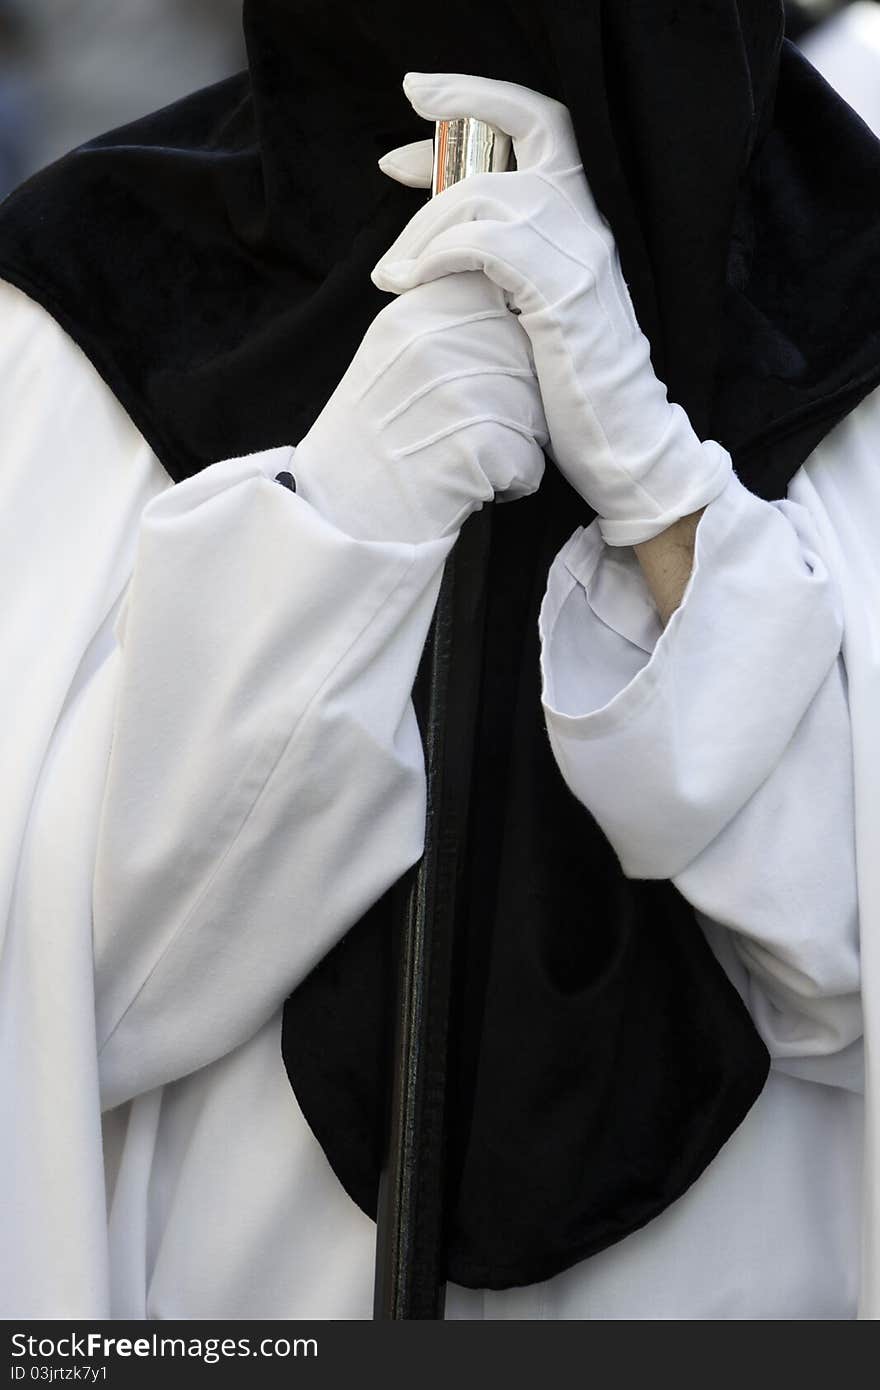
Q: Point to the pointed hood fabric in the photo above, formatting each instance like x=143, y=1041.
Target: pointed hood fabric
x=213, y=260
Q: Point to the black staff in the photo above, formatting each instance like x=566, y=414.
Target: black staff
x=410, y=1255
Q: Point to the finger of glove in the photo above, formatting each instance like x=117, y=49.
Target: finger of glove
x=522, y=468
x=540, y=128
x=496, y=248
x=511, y=460
x=412, y=165
x=478, y=197
x=539, y=228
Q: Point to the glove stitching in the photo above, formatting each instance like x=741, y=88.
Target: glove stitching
x=447, y=378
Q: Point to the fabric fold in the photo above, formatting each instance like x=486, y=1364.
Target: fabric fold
x=250, y=749
x=692, y=725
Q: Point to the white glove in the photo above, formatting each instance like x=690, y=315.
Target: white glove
x=438, y=412
x=537, y=233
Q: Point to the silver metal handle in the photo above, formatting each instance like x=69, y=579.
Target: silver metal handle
x=467, y=146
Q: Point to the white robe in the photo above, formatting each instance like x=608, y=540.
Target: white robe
x=211, y=768
x=846, y=50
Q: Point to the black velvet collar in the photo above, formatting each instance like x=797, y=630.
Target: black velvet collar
x=213, y=261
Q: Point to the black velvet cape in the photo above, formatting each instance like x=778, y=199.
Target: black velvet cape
x=213, y=262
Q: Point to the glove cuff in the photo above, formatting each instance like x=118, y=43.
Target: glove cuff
x=699, y=488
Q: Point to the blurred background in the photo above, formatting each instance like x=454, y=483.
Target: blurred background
x=71, y=69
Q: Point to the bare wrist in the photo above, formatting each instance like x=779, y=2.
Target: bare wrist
x=667, y=561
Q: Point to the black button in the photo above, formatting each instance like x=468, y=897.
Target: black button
x=286, y=480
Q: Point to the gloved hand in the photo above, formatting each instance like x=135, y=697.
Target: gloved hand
x=536, y=232
x=438, y=412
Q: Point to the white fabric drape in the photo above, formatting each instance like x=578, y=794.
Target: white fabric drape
x=846, y=50
x=735, y=736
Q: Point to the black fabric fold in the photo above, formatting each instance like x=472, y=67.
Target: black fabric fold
x=213, y=262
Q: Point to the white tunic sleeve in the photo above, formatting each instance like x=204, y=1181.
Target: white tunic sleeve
x=266, y=778
x=717, y=752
